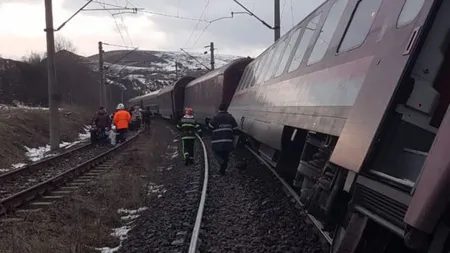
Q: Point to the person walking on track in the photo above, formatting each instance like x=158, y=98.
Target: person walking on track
x=146, y=114
x=189, y=127
x=223, y=127
x=122, y=119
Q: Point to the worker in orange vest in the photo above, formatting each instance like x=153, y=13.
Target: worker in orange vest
x=122, y=119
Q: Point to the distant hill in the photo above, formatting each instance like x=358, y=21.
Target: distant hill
x=148, y=71
x=133, y=73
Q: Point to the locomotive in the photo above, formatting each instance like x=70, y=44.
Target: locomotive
x=351, y=107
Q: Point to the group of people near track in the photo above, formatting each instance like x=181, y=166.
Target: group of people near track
x=223, y=127
x=113, y=128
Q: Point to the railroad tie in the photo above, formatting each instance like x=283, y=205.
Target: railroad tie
x=76, y=183
x=50, y=197
x=68, y=188
x=44, y=204
x=60, y=192
x=82, y=180
x=10, y=220
x=28, y=211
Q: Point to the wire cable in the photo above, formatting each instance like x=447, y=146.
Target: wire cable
x=115, y=21
x=198, y=23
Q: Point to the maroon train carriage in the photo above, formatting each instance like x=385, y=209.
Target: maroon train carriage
x=147, y=100
x=207, y=92
x=171, y=99
x=352, y=106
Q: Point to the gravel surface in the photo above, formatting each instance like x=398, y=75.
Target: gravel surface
x=48, y=170
x=248, y=211
x=172, y=202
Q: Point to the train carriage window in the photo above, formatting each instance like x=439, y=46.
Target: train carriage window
x=260, y=67
x=269, y=62
x=328, y=29
x=303, y=45
x=245, y=78
x=251, y=75
x=242, y=81
x=290, y=41
x=359, y=27
x=409, y=12
x=279, y=49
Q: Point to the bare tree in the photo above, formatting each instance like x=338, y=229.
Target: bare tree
x=62, y=43
x=33, y=57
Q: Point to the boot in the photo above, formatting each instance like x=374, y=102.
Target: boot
x=222, y=169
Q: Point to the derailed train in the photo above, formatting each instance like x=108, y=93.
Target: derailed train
x=351, y=107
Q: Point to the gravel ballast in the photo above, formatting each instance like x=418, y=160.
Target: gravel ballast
x=173, y=199
x=248, y=211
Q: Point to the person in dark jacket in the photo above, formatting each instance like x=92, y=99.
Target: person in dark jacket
x=189, y=127
x=223, y=127
x=102, y=123
x=146, y=114
x=101, y=119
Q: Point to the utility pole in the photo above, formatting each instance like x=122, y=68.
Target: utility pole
x=53, y=96
x=211, y=47
x=277, y=21
x=101, y=69
x=176, y=70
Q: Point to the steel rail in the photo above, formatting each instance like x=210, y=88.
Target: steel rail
x=198, y=221
x=31, y=167
x=10, y=203
x=291, y=191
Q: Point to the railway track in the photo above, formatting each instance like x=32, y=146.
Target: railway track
x=194, y=243
x=200, y=241
x=64, y=173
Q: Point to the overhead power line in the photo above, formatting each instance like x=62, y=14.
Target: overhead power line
x=125, y=55
x=184, y=51
x=71, y=17
x=115, y=45
x=196, y=25
x=253, y=14
x=152, y=12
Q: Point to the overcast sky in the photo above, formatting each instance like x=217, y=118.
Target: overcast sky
x=22, y=23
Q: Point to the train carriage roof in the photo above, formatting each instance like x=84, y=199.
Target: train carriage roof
x=217, y=72
x=148, y=95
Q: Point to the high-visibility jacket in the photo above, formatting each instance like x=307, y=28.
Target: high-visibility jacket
x=189, y=127
x=121, y=119
x=223, y=127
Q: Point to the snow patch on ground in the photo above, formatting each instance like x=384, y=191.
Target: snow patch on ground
x=39, y=153
x=155, y=189
x=21, y=106
x=122, y=232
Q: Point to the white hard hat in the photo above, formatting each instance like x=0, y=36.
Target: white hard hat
x=120, y=106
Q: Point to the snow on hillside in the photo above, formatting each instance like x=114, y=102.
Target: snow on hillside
x=148, y=71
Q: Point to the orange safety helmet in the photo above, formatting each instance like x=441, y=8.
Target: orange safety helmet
x=188, y=111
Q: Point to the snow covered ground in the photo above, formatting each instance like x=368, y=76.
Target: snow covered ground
x=151, y=70
x=128, y=217
x=39, y=153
